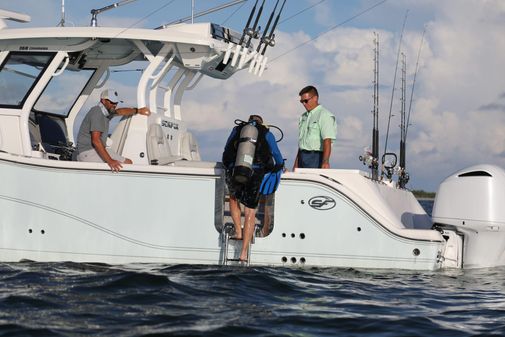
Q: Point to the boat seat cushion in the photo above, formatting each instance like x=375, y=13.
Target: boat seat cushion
x=158, y=149
x=189, y=147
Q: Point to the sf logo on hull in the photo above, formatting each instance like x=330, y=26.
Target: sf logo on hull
x=322, y=203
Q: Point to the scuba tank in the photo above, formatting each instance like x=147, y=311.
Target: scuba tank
x=243, y=169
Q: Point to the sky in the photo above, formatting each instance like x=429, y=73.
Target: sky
x=458, y=107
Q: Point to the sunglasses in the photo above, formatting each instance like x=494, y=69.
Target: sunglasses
x=305, y=101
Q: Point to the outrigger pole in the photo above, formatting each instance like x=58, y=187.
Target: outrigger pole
x=95, y=12
x=202, y=13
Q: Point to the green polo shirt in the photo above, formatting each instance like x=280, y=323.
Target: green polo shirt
x=314, y=126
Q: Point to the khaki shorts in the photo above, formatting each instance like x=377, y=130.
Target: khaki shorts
x=93, y=156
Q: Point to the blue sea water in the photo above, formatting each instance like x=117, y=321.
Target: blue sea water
x=78, y=299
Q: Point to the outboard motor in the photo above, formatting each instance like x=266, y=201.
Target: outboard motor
x=245, y=153
x=470, y=205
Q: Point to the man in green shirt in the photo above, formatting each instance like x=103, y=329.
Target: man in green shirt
x=317, y=129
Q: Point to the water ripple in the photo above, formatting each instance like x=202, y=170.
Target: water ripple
x=76, y=299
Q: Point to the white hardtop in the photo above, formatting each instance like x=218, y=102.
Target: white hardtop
x=195, y=33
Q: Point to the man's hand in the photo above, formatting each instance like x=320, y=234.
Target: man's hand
x=144, y=111
x=115, y=165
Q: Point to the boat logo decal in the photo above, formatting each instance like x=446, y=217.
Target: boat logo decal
x=322, y=203
x=170, y=125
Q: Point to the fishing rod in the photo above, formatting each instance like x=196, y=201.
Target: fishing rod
x=414, y=81
x=259, y=62
x=270, y=39
x=372, y=158
x=403, y=176
x=253, y=33
x=394, y=84
x=267, y=27
x=375, y=132
x=246, y=28
x=254, y=55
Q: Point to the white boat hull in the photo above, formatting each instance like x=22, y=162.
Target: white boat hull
x=50, y=211
x=56, y=214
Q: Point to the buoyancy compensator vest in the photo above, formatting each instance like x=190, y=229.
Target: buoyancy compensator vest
x=247, y=151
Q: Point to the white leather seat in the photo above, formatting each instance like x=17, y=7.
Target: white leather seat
x=189, y=147
x=158, y=149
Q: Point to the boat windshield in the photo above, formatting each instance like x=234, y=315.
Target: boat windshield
x=19, y=74
x=62, y=92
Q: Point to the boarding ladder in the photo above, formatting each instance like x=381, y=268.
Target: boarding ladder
x=260, y=231
x=228, y=230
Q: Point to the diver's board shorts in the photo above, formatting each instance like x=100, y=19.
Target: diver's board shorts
x=93, y=156
x=247, y=194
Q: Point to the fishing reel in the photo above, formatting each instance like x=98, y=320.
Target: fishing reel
x=367, y=157
x=403, y=176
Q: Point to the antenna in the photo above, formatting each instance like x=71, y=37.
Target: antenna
x=62, y=21
x=95, y=12
x=192, y=11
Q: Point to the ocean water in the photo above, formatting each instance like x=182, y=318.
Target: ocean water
x=78, y=299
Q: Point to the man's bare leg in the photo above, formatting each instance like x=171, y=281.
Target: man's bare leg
x=236, y=215
x=249, y=221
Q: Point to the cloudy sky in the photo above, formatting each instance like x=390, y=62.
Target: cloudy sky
x=458, y=108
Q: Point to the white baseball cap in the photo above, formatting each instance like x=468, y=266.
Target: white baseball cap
x=111, y=95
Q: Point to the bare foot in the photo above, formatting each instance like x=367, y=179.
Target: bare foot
x=243, y=258
x=237, y=235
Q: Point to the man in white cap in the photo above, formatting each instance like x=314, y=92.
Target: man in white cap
x=94, y=129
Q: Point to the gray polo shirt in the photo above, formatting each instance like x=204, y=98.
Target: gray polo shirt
x=95, y=120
